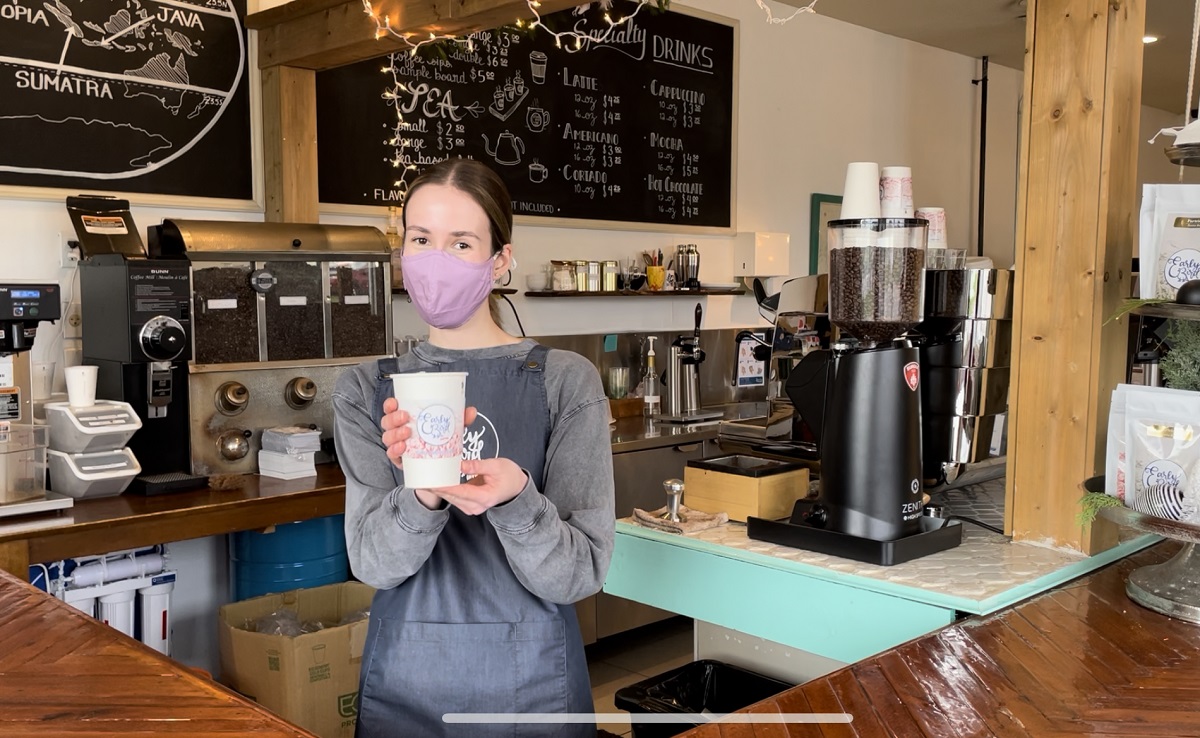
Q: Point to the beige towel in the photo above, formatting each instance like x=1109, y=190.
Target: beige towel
x=694, y=521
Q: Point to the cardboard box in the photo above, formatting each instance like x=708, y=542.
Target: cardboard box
x=310, y=679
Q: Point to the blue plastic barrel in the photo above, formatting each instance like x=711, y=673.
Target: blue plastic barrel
x=297, y=555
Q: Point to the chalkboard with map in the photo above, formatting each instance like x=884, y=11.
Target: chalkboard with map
x=146, y=96
x=639, y=129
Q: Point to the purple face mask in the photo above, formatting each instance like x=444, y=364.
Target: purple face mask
x=445, y=289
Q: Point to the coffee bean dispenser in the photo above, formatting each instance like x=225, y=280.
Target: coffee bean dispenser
x=279, y=311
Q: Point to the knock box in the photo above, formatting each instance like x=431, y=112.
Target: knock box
x=744, y=486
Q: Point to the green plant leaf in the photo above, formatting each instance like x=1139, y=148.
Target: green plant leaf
x=1092, y=503
x=1129, y=306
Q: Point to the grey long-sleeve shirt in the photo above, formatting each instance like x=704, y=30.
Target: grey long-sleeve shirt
x=558, y=540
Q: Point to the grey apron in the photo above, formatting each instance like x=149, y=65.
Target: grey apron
x=463, y=635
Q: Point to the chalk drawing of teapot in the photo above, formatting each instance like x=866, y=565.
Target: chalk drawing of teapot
x=508, y=149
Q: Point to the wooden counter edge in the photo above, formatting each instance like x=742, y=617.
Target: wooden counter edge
x=1072, y=660
x=19, y=599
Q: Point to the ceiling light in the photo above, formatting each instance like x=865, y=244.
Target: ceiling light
x=1149, y=39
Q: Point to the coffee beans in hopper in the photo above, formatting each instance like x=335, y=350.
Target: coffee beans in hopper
x=875, y=293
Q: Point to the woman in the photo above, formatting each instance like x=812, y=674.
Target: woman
x=476, y=582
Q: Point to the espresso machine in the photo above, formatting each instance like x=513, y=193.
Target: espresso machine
x=861, y=398
x=799, y=313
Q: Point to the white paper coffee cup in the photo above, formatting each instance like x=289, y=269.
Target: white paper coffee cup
x=435, y=402
x=937, y=226
x=860, y=195
x=896, y=192
x=81, y=386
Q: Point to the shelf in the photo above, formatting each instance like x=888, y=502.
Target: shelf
x=496, y=291
x=637, y=293
x=1172, y=310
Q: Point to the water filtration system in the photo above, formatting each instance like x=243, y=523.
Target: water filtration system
x=126, y=590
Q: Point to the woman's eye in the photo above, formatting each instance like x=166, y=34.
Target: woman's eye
x=418, y=240
x=462, y=246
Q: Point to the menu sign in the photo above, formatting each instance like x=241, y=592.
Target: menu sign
x=637, y=129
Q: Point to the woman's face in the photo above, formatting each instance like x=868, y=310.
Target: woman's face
x=442, y=217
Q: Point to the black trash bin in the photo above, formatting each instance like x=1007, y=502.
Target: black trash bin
x=701, y=686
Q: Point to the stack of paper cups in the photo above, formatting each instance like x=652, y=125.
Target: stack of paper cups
x=860, y=196
x=896, y=192
x=937, y=226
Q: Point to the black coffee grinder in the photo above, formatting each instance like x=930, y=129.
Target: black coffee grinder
x=862, y=400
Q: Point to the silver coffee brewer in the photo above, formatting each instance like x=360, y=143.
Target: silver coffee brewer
x=682, y=379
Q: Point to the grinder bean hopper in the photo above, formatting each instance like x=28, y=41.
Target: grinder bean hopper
x=862, y=400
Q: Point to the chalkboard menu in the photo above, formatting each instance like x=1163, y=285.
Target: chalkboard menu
x=637, y=129
x=127, y=95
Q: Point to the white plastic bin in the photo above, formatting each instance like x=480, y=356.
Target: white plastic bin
x=105, y=426
x=102, y=474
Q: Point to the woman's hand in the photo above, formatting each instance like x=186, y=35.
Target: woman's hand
x=396, y=432
x=495, y=482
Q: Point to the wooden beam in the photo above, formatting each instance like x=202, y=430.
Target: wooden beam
x=321, y=34
x=290, y=144
x=1077, y=210
x=14, y=559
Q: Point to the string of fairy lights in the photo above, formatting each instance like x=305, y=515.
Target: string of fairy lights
x=771, y=19
x=571, y=41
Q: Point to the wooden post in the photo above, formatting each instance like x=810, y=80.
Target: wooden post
x=290, y=144
x=1077, y=211
x=14, y=559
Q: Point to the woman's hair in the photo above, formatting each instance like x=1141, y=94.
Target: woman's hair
x=482, y=185
x=487, y=190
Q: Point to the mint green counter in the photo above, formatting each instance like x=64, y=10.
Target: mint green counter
x=835, y=608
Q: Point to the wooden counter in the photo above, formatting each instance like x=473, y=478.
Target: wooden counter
x=1079, y=659
x=133, y=521
x=63, y=673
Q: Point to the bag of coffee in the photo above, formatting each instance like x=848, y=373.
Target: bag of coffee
x=1114, y=457
x=1162, y=467
x=1169, y=239
x=1115, y=473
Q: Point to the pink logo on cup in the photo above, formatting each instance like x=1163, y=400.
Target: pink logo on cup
x=437, y=434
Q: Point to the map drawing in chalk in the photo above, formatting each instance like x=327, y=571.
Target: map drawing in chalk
x=113, y=89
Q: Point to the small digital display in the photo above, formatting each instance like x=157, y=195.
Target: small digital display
x=25, y=294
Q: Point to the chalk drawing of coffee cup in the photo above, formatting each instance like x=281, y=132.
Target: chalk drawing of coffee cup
x=537, y=118
x=537, y=172
x=537, y=67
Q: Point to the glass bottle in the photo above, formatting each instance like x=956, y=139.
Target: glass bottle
x=650, y=382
